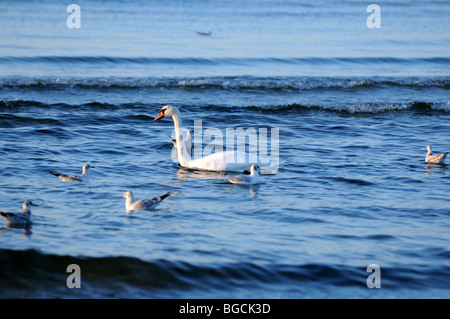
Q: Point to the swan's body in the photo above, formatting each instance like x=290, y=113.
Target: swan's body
x=233, y=161
x=251, y=179
x=142, y=204
x=75, y=178
x=19, y=218
x=187, y=141
x=436, y=159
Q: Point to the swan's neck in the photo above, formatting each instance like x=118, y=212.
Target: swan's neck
x=85, y=171
x=183, y=156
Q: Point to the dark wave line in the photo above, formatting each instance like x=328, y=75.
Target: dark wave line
x=415, y=107
x=225, y=83
x=219, y=60
x=29, y=271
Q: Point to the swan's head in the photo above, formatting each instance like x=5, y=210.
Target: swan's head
x=127, y=195
x=166, y=111
x=429, y=148
x=88, y=166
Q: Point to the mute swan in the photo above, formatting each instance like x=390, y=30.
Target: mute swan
x=233, y=161
x=19, y=218
x=142, y=204
x=251, y=179
x=437, y=159
x=74, y=178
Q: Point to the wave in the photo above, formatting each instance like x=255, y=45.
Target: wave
x=416, y=108
x=222, y=60
x=226, y=83
x=39, y=275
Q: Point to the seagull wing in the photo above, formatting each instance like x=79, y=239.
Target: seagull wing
x=15, y=218
x=67, y=178
x=149, y=203
x=240, y=179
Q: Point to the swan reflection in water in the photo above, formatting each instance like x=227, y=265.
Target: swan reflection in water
x=185, y=173
x=435, y=168
x=189, y=174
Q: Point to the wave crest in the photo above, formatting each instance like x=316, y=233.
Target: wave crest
x=225, y=83
x=416, y=107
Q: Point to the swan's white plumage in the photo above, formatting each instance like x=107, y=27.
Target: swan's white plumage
x=187, y=140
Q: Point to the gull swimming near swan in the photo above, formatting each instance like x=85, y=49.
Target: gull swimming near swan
x=142, y=204
x=251, y=179
x=436, y=159
x=75, y=178
x=19, y=218
x=234, y=161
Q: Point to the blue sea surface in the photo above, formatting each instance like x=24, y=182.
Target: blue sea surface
x=355, y=108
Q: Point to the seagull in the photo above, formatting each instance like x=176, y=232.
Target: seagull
x=75, y=178
x=436, y=159
x=251, y=179
x=19, y=218
x=142, y=204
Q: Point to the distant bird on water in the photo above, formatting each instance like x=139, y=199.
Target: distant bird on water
x=436, y=159
x=75, y=178
x=203, y=33
x=142, y=204
x=19, y=218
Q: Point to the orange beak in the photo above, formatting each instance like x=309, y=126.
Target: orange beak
x=160, y=116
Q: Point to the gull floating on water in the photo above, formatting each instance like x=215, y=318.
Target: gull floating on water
x=436, y=159
x=75, y=178
x=251, y=179
x=19, y=218
x=142, y=204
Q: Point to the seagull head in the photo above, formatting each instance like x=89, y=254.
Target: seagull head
x=26, y=205
x=29, y=203
x=88, y=166
x=255, y=168
x=127, y=194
